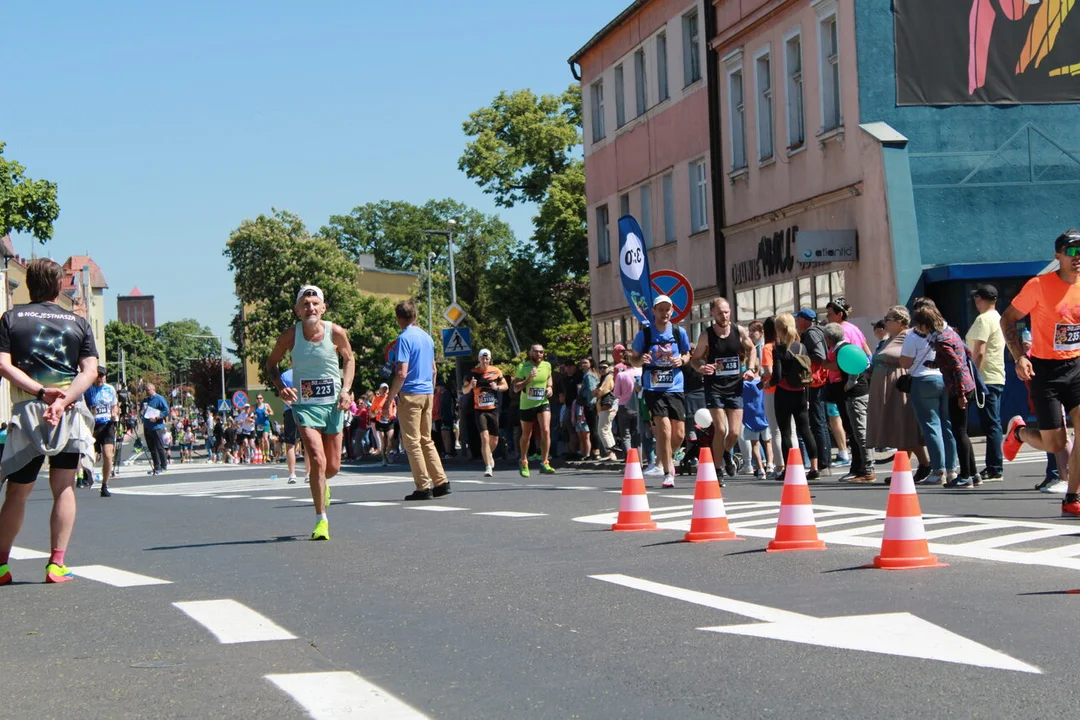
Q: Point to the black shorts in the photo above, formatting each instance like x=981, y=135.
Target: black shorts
x=488, y=420
x=669, y=405
x=718, y=398
x=528, y=415
x=1056, y=386
x=28, y=473
x=288, y=431
x=384, y=426
x=104, y=434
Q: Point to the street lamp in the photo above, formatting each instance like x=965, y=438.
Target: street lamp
x=430, y=325
x=453, y=280
x=221, y=342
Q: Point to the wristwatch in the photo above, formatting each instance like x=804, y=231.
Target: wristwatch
x=41, y=393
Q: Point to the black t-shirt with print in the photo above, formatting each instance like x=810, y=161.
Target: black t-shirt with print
x=46, y=342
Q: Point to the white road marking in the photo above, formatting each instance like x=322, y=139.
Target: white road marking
x=373, y=503
x=232, y=622
x=18, y=553
x=231, y=497
x=900, y=634
x=511, y=514
x=246, y=485
x=116, y=578
x=273, y=497
x=576, y=487
x=335, y=695
x=435, y=508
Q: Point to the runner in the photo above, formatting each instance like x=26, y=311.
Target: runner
x=533, y=381
x=288, y=430
x=321, y=392
x=485, y=384
x=1053, y=301
x=384, y=422
x=726, y=356
x=263, y=413
x=246, y=420
x=102, y=401
x=47, y=354
x=661, y=351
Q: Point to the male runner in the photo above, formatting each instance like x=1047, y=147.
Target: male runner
x=722, y=350
x=661, y=351
x=485, y=384
x=1053, y=301
x=263, y=413
x=103, y=403
x=533, y=381
x=47, y=354
x=288, y=431
x=320, y=394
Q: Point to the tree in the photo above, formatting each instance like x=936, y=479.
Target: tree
x=26, y=205
x=205, y=377
x=144, y=357
x=272, y=257
x=570, y=340
x=180, y=348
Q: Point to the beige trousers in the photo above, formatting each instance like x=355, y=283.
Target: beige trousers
x=414, y=418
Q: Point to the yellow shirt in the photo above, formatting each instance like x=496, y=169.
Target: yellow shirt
x=987, y=329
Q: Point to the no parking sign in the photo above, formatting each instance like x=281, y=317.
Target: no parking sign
x=678, y=288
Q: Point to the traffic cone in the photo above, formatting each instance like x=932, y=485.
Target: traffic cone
x=709, y=520
x=258, y=456
x=795, y=529
x=634, y=515
x=903, y=544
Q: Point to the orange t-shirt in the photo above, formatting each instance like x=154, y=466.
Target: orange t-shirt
x=377, y=405
x=1054, y=306
x=767, y=361
x=484, y=397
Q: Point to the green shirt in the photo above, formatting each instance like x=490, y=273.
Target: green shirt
x=534, y=394
x=987, y=328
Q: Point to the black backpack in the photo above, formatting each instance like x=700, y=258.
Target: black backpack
x=798, y=372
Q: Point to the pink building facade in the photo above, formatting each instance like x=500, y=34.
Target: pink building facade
x=647, y=153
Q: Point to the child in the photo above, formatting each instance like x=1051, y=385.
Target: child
x=756, y=429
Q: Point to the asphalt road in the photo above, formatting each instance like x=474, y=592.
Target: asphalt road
x=439, y=610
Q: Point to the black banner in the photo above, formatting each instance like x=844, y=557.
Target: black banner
x=980, y=52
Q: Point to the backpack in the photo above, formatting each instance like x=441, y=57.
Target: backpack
x=797, y=370
x=821, y=373
x=680, y=338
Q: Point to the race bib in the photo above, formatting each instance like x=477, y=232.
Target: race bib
x=101, y=411
x=486, y=400
x=728, y=366
x=317, y=392
x=537, y=394
x=1066, y=337
x=663, y=378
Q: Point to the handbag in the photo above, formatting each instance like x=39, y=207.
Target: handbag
x=903, y=383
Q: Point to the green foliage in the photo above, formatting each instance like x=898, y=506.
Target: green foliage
x=561, y=229
x=26, y=205
x=179, y=348
x=272, y=257
x=570, y=340
x=144, y=356
x=204, y=376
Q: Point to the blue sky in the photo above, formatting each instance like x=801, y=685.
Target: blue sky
x=166, y=124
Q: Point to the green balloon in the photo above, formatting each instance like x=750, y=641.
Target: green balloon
x=852, y=359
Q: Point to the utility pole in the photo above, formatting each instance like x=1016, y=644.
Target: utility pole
x=453, y=283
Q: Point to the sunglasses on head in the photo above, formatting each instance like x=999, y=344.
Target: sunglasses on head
x=309, y=293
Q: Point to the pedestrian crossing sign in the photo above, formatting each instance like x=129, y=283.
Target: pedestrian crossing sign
x=457, y=342
x=223, y=406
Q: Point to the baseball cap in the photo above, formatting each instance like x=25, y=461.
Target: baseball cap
x=620, y=347
x=384, y=385
x=310, y=290
x=662, y=299
x=1069, y=237
x=100, y=369
x=807, y=314
x=483, y=352
x=986, y=292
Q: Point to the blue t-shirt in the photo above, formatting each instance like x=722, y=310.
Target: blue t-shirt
x=158, y=403
x=753, y=414
x=261, y=418
x=660, y=376
x=286, y=380
x=100, y=399
x=416, y=348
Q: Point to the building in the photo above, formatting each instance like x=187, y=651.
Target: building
x=137, y=309
x=85, y=283
x=645, y=111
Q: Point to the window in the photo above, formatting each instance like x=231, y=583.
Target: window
x=793, y=73
x=645, y=195
x=763, y=80
x=765, y=301
x=641, y=87
x=603, y=242
x=668, y=187
x=738, y=119
x=691, y=48
x=661, y=67
x=620, y=97
x=830, y=72
x=624, y=205
x=598, y=111
x=699, y=201
x=806, y=296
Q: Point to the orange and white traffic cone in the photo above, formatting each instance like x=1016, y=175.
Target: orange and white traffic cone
x=796, y=528
x=903, y=544
x=634, y=515
x=258, y=456
x=709, y=521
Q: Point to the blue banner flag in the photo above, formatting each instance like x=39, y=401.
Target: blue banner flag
x=634, y=269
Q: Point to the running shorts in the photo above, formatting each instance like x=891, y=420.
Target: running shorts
x=662, y=404
x=488, y=420
x=288, y=431
x=104, y=434
x=326, y=418
x=528, y=415
x=716, y=399
x=1055, y=387
x=28, y=473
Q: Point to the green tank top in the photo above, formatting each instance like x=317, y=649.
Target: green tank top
x=316, y=375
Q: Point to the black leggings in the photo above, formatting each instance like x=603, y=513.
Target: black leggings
x=794, y=404
x=958, y=417
x=28, y=473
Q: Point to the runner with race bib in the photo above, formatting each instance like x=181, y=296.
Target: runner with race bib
x=533, y=381
x=486, y=383
x=104, y=404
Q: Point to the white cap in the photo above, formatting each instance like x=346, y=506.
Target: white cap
x=383, y=385
x=662, y=299
x=484, y=352
x=310, y=290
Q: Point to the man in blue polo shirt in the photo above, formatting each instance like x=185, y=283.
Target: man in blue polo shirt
x=414, y=388
x=662, y=350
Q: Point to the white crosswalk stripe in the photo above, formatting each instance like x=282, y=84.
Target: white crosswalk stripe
x=335, y=695
x=233, y=622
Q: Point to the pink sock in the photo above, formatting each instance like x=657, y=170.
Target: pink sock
x=57, y=556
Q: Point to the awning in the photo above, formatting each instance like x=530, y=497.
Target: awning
x=982, y=271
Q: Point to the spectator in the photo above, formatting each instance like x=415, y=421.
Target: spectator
x=853, y=391
x=930, y=401
x=791, y=397
x=987, y=345
x=607, y=408
x=812, y=336
x=628, y=393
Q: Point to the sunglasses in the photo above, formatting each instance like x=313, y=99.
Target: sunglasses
x=309, y=293
x=1071, y=251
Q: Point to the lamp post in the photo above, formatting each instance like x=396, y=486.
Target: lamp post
x=453, y=280
x=221, y=342
x=430, y=325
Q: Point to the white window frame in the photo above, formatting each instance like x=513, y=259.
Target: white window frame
x=764, y=105
x=624, y=204
x=645, y=213
x=641, y=81
x=662, y=87
x=733, y=64
x=691, y=48
x=795, y=90
x=826, y=11
x=667, y=192
x=597, y=105
x=620, y=96
x=603, y=241
x=699, y=196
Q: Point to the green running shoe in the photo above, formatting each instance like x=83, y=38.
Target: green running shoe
x=524, y=469
x=321, y=531
x=57, y=573
x=546, y=469
x=5, y=574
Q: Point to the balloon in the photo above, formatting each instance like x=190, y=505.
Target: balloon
x=852, y=359
x=703, y=418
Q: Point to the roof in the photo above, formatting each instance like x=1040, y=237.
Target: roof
x=634, y=6
x=6, y=248
x=135, y=292
x=75, y=264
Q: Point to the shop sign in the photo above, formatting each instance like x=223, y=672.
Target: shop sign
x=775, y=256
x=825, y=246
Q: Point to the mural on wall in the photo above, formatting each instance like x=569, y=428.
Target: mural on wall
x=978, y=52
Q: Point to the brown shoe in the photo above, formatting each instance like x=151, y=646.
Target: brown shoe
x=865, y=479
